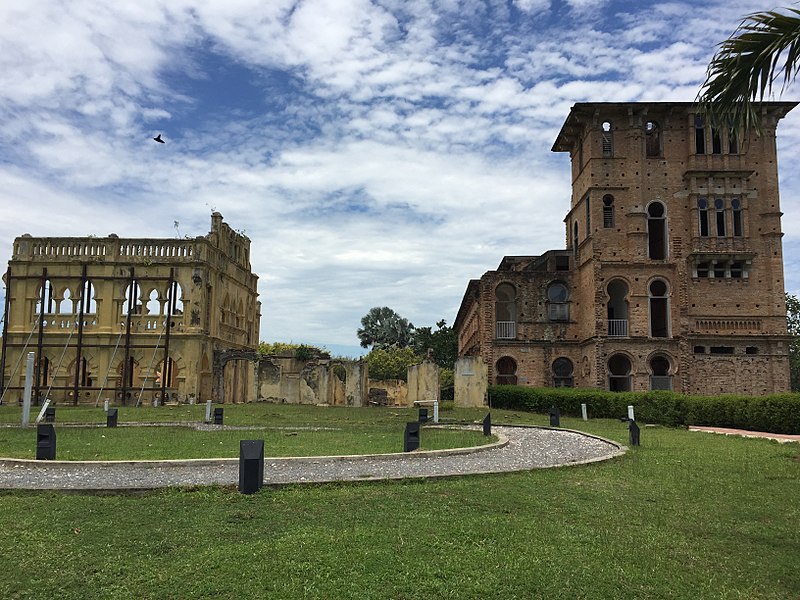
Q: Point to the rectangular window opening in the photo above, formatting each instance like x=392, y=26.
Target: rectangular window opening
x=751, y=350
x=699, y=349
x=721, y=349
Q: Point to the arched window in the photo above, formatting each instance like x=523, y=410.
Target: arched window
x=558, y=302
x=736, y=217
x=505, y=307
x=699, y=135
x=177, y=293
x=619, y=373
x=507, y=371
x=656, y=231
x=652, y=134
x=66, y=306
x=659, y=309
x=81, y=375
x=46, y=297
x=719, y=209
x=88, y=299
x=168, y=373
x=617, y=308
x=153, y=303
x=702, y=215
x=132, y=304
x=608, y=211
x=608, y=142
x=660, y=377
x=562, y=372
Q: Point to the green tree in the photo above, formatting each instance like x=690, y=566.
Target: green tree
x=443, y=343
x=793, y=326
x=391, y=363
x=764, y=48
x=382, y=327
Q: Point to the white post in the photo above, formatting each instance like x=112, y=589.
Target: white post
x=583, y=412
x=630, y=412
x=26, y=398
x=208, y=411
x=105, y=405
x=435, y=411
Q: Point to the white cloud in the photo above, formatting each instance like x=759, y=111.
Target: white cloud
x=408, y=155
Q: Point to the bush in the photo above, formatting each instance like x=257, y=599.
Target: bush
x=779, y=413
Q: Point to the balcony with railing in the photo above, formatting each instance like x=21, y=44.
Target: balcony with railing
x=506, y=330
x=618, y=328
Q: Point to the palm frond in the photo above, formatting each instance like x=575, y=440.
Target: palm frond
x=744, y=69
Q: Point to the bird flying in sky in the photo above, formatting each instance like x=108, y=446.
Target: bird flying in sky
x=159, y=140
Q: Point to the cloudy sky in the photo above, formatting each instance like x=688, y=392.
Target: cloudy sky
x=375, y=152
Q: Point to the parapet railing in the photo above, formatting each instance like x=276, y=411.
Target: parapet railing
x=106, y=248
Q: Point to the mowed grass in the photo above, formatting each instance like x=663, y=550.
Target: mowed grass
x=287, y=430
x=685, y=515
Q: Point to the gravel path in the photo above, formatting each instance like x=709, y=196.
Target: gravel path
x=519, y=449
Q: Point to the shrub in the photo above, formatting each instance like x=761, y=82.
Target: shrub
x=779, y=413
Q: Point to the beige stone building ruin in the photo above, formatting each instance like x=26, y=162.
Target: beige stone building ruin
x=132, y=320
x=672, y=276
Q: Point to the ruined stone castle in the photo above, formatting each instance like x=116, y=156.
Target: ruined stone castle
x=672, y=275
x=135, y=321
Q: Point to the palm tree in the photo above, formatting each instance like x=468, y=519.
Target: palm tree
x=764, y=46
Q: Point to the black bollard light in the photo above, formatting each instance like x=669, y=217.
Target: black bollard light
x=111, y=417
x=218, y=416
x=555, y=417
x=487, y=424
x=45, y=442
x=50, y=414
x=251, y=466
x=633, y=433
x=411, y=437
x=423, y=415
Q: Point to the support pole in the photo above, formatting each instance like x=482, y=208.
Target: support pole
x=26, y=398
x=127, y=371
x=80, y=369
x=166, y=370
x=42, y=310
x=5, y=335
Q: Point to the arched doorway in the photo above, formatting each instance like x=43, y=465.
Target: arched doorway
x=619, y=373
x=660, y=373
x=506, y=371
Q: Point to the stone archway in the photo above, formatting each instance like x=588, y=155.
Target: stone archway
x=222, y=358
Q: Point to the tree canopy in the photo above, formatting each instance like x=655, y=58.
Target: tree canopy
x=765, y=48
x=382, y=327
x=442, y=343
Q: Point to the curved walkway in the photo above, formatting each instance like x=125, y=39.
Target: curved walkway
x=519, y=449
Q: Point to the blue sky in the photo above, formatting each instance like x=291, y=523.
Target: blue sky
x=376, y=153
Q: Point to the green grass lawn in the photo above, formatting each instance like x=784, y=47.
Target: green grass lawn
x=287, y=430
x=685, y=515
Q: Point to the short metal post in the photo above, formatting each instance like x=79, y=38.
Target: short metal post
x=411, y=436
x=583, y=412
x=487, y=424
x=630, y=412
x=208, y=411
x=435, y=411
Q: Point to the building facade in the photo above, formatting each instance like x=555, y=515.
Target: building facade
x=672, y=276
x=135, y=321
